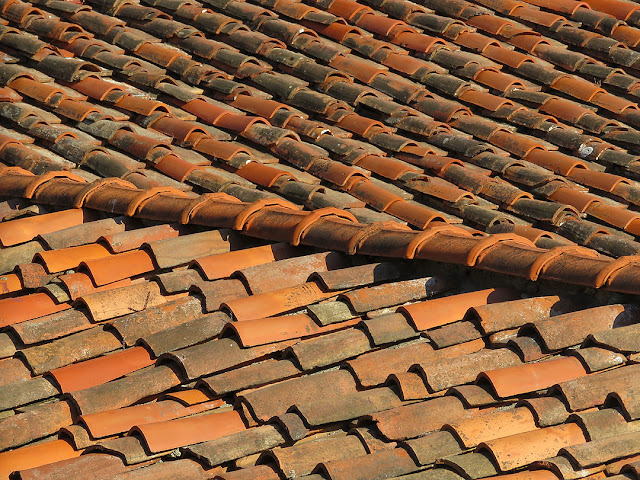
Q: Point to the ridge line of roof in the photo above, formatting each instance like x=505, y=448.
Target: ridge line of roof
x=332, y=229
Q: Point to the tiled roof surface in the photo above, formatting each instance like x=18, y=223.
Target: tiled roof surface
x=338, y=240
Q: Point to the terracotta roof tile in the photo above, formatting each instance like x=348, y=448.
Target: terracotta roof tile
x=28, y=307
x=403, y=422
x=273, y=400
x=276, y=302
x=224, y=264
x=253, y=375
x=288, y=272
x=119, y=393
x=120, y=301
x=100, y=370
x=28, y=228
x=506, y=381
x=565, y=329
x=162, y=436
x=548, y=440
x=333, y=239
x=107, y=423
x=37, y=455
x=387, y=295
x=302, y=459
x=271, y=329
x=450, y=309
x=63, y=259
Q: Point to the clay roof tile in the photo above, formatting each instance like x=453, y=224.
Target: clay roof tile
x=363, y=225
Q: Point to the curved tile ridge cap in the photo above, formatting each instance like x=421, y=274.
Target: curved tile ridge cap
x=281, y=221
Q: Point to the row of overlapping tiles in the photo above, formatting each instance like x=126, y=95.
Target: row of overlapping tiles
x=147, y=298
x=278, y=220
x=375, y=196
x=398, y=383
